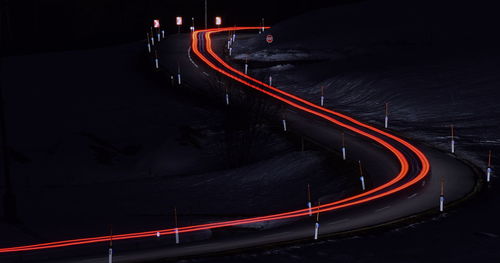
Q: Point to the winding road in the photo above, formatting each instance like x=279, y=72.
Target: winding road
x=408, y=191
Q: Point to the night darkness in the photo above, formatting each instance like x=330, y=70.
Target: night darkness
x=37, y=26
x=374, y=123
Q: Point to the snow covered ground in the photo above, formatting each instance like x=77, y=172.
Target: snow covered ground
x=436, y=64
x=98, y=139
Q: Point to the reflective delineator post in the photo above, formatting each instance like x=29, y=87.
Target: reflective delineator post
x=158, y=234
x=452, y=139
x=441, y=197
x=263, y=29
x=343, y=147
x=316, y=225
x=179, y=82
x=309, y=205
x=230, y=51
x=322, y=96
x=163, y=34
x=149, y=43
x=386, y=115
x=246, y=67
x=158, y=36
x=361, y=178
x=234, y=37
x=157, y=66
x=284, y=124
x=270, y=80
x=176, y=228
x=489, y=170
x=110, y=250
x=227, y=97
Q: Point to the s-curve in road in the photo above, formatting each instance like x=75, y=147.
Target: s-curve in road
x=406, y=177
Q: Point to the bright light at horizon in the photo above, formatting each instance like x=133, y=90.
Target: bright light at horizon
x=178, y=20
x=218, y=20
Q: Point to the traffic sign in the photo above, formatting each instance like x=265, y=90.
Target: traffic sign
x=156, y=23
x=218, y=20
x=178, y=20
x=269, y=39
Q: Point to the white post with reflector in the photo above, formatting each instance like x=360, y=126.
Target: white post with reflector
x=386, y=121
x=246, y=67
x=163, y=34
x=149, y=43
x=179, y=82
x=316, y=225
x=489, y=170
x=284, y=124
x=343, y=147
x=110, y=250
x=441, y=197
x=361, y=177
x=227, y=98
x=309, y=205
x=230, y=51
x=322, y=96
x=176, y=230
x=157, y=66
x=270, y=80
x=452, y=139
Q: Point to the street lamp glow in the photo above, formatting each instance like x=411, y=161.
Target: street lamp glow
x=218, y=20
x=178, y=20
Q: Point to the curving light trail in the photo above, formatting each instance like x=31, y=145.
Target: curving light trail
x=406, y=154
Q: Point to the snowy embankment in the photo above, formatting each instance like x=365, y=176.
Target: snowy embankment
x=97, y=139
x=375, y=52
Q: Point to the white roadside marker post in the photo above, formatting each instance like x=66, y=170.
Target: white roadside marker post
x=386, y=115
x=176, y=228
x=452, y=139
x=110, y=250
x=230, y=51
x=489, y=170
x=316, y=225
x=163, y=34
x=246, y=66
x=149, y=43
x=322, y=96
x=227, y=97
x=309, y=205
x=263, y=29
x=157, y=66
x=284, y=123
x=270, y=80
x=179, y=82
x=361, y=177
x=343, y=147
x=158, y=234
x=441, y=197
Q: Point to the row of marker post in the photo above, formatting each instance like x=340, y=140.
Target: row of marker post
x=160, y=34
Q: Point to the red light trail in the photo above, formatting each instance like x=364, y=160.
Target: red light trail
x=385, y=139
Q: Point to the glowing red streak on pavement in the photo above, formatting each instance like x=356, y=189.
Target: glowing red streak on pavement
x=302, y=212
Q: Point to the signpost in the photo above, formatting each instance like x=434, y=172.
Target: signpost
x=269, y=39
x=178, y=22
x=218, y=21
